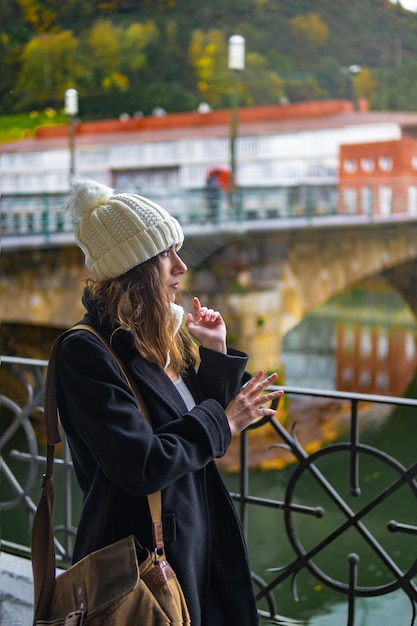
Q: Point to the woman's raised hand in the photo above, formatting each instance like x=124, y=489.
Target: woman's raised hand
x=249, y=403
x=208, y=327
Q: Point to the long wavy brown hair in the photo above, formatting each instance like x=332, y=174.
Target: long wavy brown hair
x=138, y=302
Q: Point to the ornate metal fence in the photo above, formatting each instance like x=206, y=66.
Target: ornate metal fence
x=355, y=509
x=352, y=511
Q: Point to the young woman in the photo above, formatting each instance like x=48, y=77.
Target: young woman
x=195, y=401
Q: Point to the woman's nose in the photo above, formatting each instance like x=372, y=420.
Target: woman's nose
x=179, y=265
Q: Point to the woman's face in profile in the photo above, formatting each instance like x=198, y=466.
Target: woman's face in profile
x=171, y=268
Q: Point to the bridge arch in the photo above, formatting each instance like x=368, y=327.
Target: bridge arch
x=267, y=283
x=265, y=280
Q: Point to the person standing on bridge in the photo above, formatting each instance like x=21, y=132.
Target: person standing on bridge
x=196, y=399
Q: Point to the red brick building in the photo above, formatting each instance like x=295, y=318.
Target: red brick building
x=374, y=358
x=379, y=178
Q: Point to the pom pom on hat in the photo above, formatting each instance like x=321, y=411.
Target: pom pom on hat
x=87, y=195
x=119, y=231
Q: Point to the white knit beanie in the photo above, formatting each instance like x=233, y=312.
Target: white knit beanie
x=119, y=231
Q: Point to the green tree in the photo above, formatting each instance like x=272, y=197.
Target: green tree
x=117, y=53
x=310, y=34
x=50, y=65
x=163, y=63
x=208, y=54
x=46, y=16
x=134, y=41
x=167, y=78
x=365, y=84
x=104, y=42
x=304, y=89
x=118, y=60
x=310, y=28
x=397, y=88
x=13, y=37
x=260, y=84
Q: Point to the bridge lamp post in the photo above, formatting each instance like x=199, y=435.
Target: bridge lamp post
x=236, y=63
x=71, y=109
x=350, y=72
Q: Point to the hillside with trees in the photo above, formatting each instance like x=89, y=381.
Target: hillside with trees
x=130, y=56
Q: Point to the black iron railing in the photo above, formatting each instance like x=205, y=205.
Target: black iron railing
x=352, y=518
x=341, y=513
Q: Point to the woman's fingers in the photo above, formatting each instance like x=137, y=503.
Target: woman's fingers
x=270, y=397
x=197, y=307
x=205, y=314
x=253, y=381
x=249, y=405
x=255, y=390
x=258, y=383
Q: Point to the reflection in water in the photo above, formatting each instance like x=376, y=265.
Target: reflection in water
x=270, y=550
x=363, y=341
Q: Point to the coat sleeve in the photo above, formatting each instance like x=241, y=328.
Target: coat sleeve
x=105, y=428
x=221, y=376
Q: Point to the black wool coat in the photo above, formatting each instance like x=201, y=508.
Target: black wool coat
x=119, y=458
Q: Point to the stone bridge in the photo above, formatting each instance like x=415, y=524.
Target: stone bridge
x=264, y=277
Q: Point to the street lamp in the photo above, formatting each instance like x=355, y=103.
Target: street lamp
x=236, y=63
x=71, y=109
x=350, y=72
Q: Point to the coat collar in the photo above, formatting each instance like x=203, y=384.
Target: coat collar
x=153, y=382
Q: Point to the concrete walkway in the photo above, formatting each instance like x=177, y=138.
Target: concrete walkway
x=16, y=590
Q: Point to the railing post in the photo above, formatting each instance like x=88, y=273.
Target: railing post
x=353, y=575
x=354, y=457
x=46, y=216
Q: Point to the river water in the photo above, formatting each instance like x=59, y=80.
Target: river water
x=362, y=341
x=347, y=344
x=270, y=549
